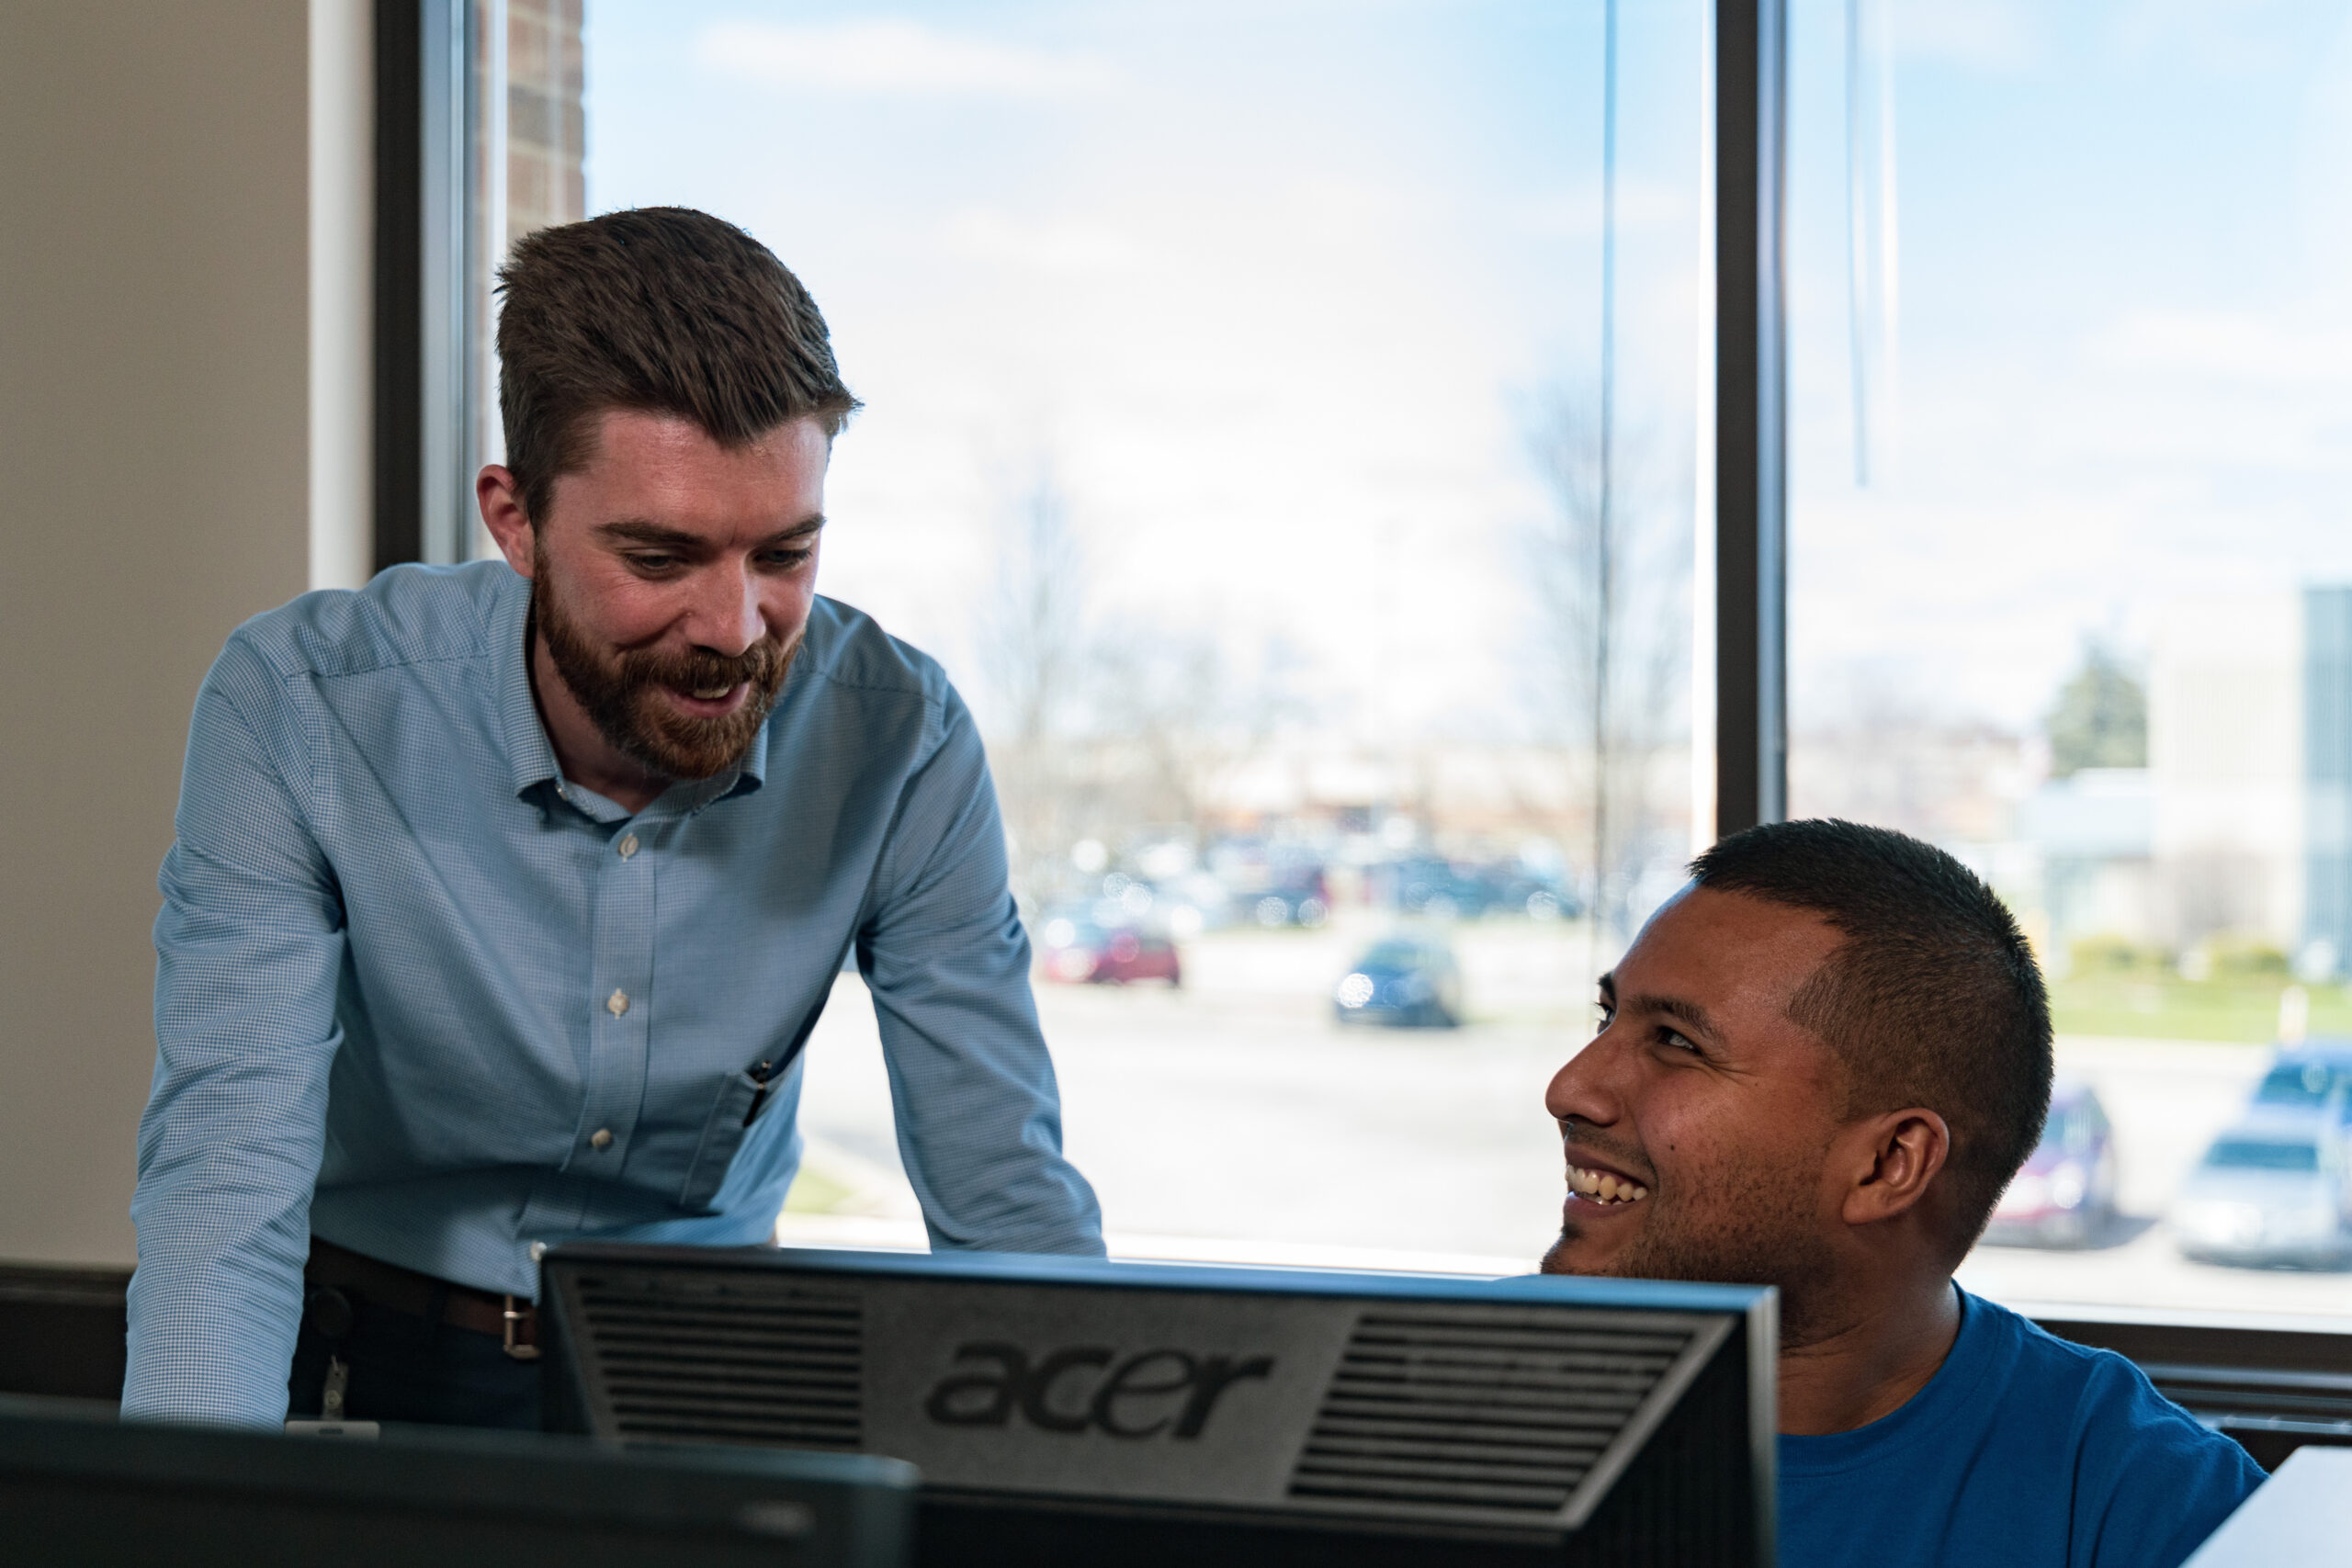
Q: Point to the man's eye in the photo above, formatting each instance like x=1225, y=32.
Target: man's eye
x=1677, y=1040
x=650, y=563
x=785, y=561
x=1603, y=1014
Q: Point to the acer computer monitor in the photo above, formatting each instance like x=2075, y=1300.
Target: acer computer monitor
x=79, y=1489
x=1080, y=1412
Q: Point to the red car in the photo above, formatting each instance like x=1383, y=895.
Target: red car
x=2065, y=1194
x=1079, y=950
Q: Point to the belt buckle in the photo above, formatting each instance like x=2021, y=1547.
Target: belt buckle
x=515, y=1318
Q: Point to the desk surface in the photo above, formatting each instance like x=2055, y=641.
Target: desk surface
x=2302, y=1514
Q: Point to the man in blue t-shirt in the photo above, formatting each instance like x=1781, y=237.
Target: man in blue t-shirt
x=1817, y=1067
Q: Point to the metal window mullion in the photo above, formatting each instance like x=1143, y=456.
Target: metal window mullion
x=421, y=486
x=1751, y=487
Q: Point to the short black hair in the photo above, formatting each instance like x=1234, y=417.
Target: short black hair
x=1933, y=1000
x=660, y=310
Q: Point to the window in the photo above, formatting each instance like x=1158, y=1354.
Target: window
x=1235, y=400
x=1256, y=393
x=2070, y=576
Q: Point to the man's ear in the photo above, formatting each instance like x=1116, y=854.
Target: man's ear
x=500, y=496
x=1895, y=1156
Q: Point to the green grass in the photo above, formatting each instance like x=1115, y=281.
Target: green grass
x=814, y=1192
x=2164, y=1007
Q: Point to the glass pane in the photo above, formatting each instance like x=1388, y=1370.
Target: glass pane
x=1235, y=400
x=2071, y=579
x=525, y=171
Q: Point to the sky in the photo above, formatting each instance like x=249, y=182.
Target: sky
x=1274, y=291
x=1271, y=288
x=2124, y=336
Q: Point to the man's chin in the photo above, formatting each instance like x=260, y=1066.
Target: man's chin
x=1573, y=1254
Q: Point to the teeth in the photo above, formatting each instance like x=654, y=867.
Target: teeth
x=712, y=693
x=1603, y=1188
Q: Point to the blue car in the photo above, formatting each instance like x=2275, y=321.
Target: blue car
x=2275, y=1188
x=1405, y=982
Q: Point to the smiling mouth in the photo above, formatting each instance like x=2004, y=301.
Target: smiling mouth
x=1604, y=1187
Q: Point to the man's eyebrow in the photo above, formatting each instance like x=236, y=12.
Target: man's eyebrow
x=1609, y=985
x=1688, y=1012
x=640, y=531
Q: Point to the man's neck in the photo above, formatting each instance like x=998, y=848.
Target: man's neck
x=587, y=759
x=1870, y=1367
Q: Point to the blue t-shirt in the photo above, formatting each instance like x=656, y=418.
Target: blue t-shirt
x=2023, y=1450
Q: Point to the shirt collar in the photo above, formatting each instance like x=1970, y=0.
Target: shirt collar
x=530, y=755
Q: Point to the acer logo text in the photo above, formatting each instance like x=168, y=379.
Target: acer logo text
x=1080, y=1389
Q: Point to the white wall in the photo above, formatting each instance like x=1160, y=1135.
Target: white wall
x=154, y=488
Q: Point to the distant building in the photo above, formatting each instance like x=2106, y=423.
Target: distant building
x=2225, y=756
x=2095, y=833
x=2327, y=780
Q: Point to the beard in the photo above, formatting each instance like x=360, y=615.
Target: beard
x=1760, y=1230
x=621, y=693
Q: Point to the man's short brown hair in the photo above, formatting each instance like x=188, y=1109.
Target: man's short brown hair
x=661, y=310
x=1933, y=1000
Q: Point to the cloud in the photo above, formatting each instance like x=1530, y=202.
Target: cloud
x=897, y=58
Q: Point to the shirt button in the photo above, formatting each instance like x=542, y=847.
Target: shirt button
x=617, y=1003
x=629, y=846
x=602, y=1138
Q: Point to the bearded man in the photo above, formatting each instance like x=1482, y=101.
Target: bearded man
x=1817, y=1067
x=504, y=896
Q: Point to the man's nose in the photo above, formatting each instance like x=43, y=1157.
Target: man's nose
x=1585, y=1086
x=725, y=615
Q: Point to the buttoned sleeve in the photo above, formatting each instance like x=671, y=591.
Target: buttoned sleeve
x=249, y=946
x=977, y=1109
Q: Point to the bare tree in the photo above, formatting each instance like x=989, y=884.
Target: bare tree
x=1033, y=634
x=1181, y=717
x=1608, y=573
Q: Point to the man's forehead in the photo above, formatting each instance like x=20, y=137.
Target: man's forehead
x=1725, y=952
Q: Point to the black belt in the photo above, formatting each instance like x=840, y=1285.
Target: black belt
x=513, y=1320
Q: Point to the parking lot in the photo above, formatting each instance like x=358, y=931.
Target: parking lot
x=1232, y=1118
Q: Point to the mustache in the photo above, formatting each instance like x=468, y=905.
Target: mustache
x=1619, y=1157
x=701, y=669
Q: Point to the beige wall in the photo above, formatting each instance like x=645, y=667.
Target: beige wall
x=153, y=488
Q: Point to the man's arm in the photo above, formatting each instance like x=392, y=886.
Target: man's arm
x=249, y=950
x=978, y=1114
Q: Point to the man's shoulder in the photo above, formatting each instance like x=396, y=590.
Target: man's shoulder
x=405, y=616
x=849, y=649
x=2145, y=1471
x=2108, y=1391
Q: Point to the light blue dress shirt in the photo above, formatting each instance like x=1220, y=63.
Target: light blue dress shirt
x=420, y=995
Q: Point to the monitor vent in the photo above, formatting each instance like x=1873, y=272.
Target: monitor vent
x=684, y=1360
x=1437, y=1410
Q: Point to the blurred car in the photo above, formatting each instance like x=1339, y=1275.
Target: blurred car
x=1440, y=889
x=2308, y=1077
x=1299, y=897
x=1406, y=982
x=2064, y=1194
x=1080, y=950
x=2270, y=1191
x=1464, y=890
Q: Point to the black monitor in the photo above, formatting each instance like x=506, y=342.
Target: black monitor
x=1076, y=1412
x=77, y=1487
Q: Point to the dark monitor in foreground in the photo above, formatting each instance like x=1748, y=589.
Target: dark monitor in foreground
x=1077, y=1412
x=77, y=1487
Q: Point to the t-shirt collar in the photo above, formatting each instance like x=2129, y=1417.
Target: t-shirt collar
x=1969, y=1369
